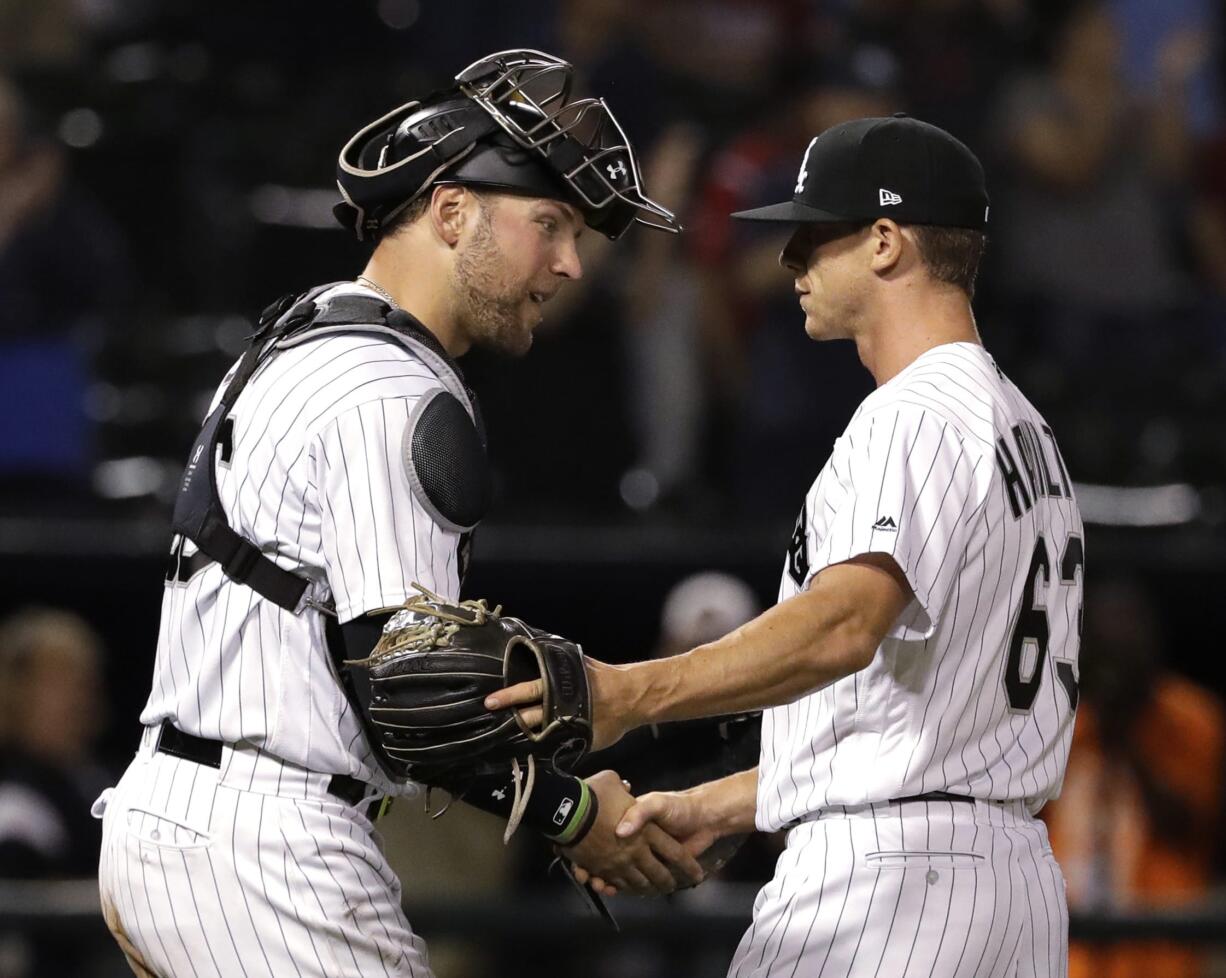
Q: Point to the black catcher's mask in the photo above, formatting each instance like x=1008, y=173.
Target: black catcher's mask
x=509, y=124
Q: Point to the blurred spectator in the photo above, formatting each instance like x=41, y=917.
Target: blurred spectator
x=1138, y=822
x=701, y=608
x=1208, y=227
x=1207, y=232
x=781, y=393
x=36, y=38
x=954, y=54
x=666, y=365
x=62, y=275
x=721, y=57
x=1151, y=31
x=1081, y=234
x=51, y=713
x=62, y=260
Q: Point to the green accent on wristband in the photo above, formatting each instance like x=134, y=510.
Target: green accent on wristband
x=579, y=821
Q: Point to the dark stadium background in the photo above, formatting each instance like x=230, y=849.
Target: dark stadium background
x=198, y=141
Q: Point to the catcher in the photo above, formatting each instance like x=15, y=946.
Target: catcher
x=342, y=459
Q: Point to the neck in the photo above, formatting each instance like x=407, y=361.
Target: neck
x=419, y=284
x=912, y=324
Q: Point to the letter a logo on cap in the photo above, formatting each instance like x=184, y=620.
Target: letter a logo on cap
x=888, y=197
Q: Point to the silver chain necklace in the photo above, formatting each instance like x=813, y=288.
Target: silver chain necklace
x=380, y=289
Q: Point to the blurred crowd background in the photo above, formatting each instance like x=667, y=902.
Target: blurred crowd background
x=166, y=172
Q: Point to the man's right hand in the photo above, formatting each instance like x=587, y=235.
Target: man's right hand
x=694, y=818
x=647, y=860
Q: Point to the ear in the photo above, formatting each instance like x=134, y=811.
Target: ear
x=449, y=210
x=886, y=242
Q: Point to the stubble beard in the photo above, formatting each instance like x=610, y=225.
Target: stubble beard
x=489, y=309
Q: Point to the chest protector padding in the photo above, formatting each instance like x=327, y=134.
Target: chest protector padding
x=445, y=461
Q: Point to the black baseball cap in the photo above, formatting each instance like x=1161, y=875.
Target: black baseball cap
x=896, y=167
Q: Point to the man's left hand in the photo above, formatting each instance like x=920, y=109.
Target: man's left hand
x=611, y=713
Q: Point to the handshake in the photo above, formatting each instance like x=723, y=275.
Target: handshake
x=660, y=841
x=457, y=692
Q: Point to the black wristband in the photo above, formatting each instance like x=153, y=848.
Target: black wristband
x=580, y=821
x=560, y=807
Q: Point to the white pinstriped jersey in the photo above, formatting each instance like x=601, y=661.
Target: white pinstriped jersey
x=315, y=476
x=949, y=469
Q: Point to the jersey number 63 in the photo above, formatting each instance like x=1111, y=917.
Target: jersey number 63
x=1032, y=626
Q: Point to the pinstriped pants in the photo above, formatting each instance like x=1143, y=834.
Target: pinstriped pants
x=942, y=889
x=250, y=870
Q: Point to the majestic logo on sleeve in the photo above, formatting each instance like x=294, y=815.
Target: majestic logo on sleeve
x=798, y=551
x=886, y=524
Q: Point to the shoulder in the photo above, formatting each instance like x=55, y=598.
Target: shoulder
x=338, y=375
x=957, y=385
x=902, y=425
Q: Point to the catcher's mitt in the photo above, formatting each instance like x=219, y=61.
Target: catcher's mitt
x=428, y=679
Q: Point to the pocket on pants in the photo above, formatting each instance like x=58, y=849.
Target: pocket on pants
x=923, y=859
x=155, y=829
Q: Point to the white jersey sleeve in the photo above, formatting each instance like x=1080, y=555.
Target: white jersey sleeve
x=904, y=482
x=377, y=538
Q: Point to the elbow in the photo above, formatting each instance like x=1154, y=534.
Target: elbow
x=840, y=654
x=859, y=652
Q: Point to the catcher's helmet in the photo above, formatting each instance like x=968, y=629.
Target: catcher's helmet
x=509, y=123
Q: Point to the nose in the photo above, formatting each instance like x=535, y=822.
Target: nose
x=566, y=262
x=793, y=257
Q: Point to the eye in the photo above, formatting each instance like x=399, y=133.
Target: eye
x=549, y=224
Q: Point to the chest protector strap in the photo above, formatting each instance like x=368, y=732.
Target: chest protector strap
x=198, y=513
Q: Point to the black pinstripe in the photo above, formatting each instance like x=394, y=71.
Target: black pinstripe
x=285, y=854
x=817, y=912
x=238, y=954
x=259, y=837
x=902, y=883
x=242, y=890
x=323, y=913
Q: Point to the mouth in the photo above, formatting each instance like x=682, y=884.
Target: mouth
x=540, y=298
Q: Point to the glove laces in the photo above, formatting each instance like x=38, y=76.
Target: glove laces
x=438, y=621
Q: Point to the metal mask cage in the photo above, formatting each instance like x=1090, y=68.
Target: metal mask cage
x=528, y=94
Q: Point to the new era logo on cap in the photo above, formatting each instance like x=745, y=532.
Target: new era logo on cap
x=888, y=197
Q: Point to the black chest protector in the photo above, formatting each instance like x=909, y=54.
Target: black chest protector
x=444, y=443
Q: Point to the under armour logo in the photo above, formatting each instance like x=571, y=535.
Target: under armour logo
x=617, y=171
x=888, y=197
x=886, y=523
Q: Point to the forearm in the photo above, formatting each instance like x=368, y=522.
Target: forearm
x=730, y=803
x=803, y=643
